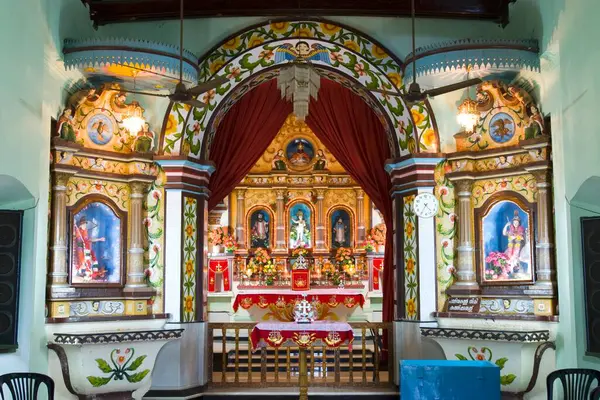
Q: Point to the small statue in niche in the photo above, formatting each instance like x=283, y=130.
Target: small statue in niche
x=321, y=163
x=339, y=231
x=143, y=141
x=536, y=122
x=65, y=128
x=279, y=161
x=516, y=235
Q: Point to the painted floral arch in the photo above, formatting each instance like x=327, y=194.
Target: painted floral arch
x=347, y=55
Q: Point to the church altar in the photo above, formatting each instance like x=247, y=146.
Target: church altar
x=280, y=304
x=304, y=335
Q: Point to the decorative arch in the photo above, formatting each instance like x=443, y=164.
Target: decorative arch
x=353, y=227
x=247, y=58
x=248, y=222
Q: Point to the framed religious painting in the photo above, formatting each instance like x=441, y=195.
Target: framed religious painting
x=97, y=245
x=260, y=228
x=300, y=225
x=340, y=228
x=505, y=233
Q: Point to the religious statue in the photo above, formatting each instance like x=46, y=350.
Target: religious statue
x=279, y=161
x=86, y=262
x=321, y=163
x=299, y=230
x=65, y=128
x=536, y=122
x=143, y=142
x=339, y=233
x=300, y=157
x=516, y=235
x=260, y=231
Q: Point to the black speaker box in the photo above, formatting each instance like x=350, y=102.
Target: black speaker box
x=590, y=235
x=11, y=223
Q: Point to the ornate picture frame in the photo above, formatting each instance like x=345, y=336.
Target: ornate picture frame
x=97, y=238
x=505, y=240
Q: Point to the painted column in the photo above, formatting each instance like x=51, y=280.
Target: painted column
x=465, y=268
x=135, y=270
x=360, y=217
x=58, y=271
x=186, y=249
x=280, y=242
x=414, y=237
x=320, y=225
x=240, y=215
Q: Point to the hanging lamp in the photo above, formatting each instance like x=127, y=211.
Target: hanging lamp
x=134, y=122
x=468, y=114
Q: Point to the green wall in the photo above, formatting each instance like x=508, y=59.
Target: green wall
x=571, y=94
x=31, y=93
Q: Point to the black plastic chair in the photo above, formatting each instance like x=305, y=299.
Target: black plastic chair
x=25, y=385
x=576, y=382
x=595, y=394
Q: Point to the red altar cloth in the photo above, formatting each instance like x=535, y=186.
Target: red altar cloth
x=377, y=268
x=264, y=300
x=332, y=334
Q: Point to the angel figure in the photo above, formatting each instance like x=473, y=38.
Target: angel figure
x=302, y=51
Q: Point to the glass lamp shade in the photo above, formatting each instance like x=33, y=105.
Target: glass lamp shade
x=134, y=122
x=468, y=115
x=299, y=83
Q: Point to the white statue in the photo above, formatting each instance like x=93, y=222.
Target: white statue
x=339, y=232
x=299, y=227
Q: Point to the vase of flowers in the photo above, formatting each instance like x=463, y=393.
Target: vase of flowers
x=369, y=245
x=269, y=270
x=300, y=251
x=378, y=236
x=345, y=261
x=229, y=243
x=261, y=256
x=216, y=237
x=497, y=266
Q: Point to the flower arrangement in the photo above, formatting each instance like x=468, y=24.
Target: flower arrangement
x=369, y=244
x=261, y=256
x=269, y=270
x=331, y=271
x=497, y=266
x=378, y=234
x=251, y=268
x=216, y=236
x=229, y=243
x=300, y=251
x=345, y=261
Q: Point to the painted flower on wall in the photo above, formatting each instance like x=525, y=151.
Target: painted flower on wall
x=378, y=52
x=188, y=304
x=418, y=117
x=280, y=27
x=255, y=41
x=485, y=354
x=352, y=45
x=171, y=124
x=411, y=308
x=120, y=365
x=304, y=32
x=396, y=79
x=216, y=65
x=428, y=138
x=330, y=29
x=232, y=43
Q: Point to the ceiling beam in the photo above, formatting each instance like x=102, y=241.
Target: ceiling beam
x=104, y=12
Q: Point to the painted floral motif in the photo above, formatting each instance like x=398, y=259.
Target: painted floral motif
x=189, y=258
x=522, y=184
x=350, y=54
x=154, y=217
x=78, y=188
x=485, y=354
x=445, y=222
x=120, y=365
x=411, y=288
x=428, y=140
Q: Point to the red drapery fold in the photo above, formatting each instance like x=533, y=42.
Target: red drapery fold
x=355, y=136
x=243, y=136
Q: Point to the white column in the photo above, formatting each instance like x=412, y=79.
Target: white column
x=58, y=270
x=427, y=267
x=174, y=199
x=241, y=214
x=135, y=272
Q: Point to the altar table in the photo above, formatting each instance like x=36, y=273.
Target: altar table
x=281, y=303
x=277, y=334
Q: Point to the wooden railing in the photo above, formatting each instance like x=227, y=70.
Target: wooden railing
x=232, y=361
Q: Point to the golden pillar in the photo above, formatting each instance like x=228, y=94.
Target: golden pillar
x=135, y=270
x=320, y=221
x=240, y=215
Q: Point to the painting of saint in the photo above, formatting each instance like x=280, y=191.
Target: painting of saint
x=340, y=229
x=144, y=140
x=507, y=243
x=279, y=161
x=321, y=163
x=96, y=248
x=300, y=226
x=536, y=122
x=65, y=128
x=300, y=152
x=259, y=229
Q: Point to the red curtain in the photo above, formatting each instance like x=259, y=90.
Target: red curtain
x=243, y=136
x=356, y=138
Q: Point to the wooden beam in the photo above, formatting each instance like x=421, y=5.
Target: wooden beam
x=104, y=12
